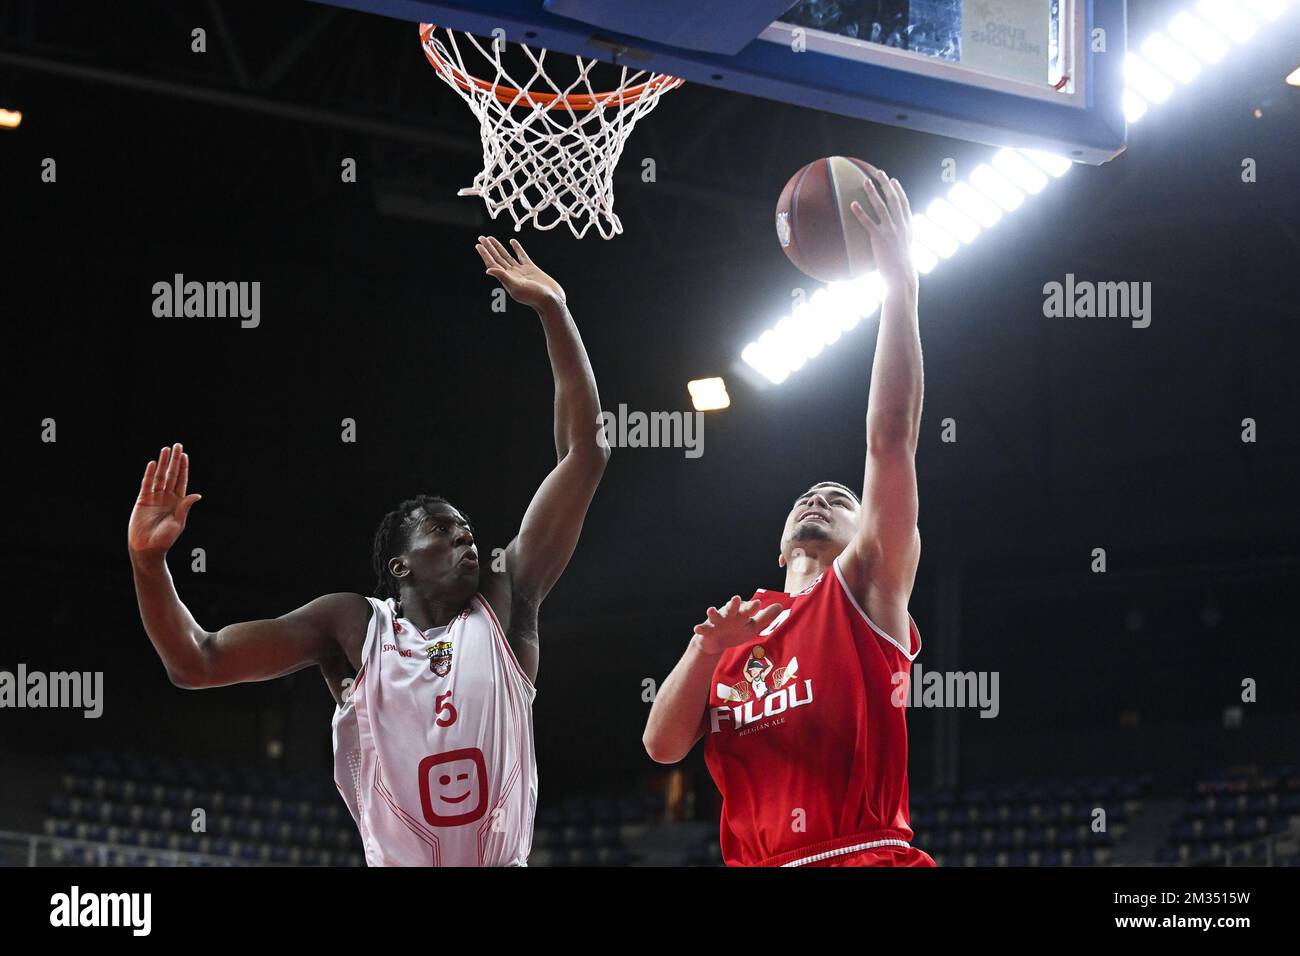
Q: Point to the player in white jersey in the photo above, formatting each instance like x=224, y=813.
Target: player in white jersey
x=433, y=680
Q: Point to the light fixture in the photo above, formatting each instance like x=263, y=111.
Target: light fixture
x=1196, y=37
x=1146, y=80
x=1228, y=16
x=708, y=394
x=933, y=237
x=974, y=205
x=1134, y=106
x=1192, y=33
x=1019, y=170
x=949, y=217
x=996, y=187
x=1052, y=164
x=1171, y=58
x=1269, y=9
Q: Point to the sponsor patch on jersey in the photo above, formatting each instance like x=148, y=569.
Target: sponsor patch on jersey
x=439, y=657
x=761, y=677
x=765, y=692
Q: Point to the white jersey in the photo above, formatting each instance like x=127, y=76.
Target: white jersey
x=433, y=744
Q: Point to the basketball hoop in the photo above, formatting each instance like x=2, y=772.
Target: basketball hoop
x=549, y=149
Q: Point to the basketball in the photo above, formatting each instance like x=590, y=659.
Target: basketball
x=815, y=225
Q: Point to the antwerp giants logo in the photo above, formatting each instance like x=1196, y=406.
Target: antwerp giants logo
x=755, y=698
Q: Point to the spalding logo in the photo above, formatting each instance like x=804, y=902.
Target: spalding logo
x=783, y=228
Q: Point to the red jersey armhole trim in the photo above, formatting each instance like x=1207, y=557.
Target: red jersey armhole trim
x=501, y=636
x=914, y=636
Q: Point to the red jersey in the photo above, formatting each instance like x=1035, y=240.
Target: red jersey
x=804, y=740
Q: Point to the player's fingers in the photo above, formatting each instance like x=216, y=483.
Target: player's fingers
x=173, y=470
x=703, y=629
x=904, y=203
x=713, y=616
x=734, y=604
x=892, y=199
x=766, y=616
x=503, y=254
x=497, y=272
x=184, y=507
x=160, y=476
x=483, y=254
x=183, y=480
x=493, y=257
x=881, y=179
x=146, y=483
x=877, y=201
x=861, y=216
x=518, y=247
x=892, y=202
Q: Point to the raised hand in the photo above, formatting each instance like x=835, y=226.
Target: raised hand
x=734, y=624
x=160, y=510
x=891, y=239
x=518, y=275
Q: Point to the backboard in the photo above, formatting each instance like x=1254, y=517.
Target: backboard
x=1040, y=74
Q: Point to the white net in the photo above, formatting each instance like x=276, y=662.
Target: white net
x=549, y=149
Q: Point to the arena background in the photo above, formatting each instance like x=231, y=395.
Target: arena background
x=1120, y=690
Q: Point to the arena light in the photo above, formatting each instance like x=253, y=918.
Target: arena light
x=923, y=258
x=1134, y=106
x=1050, y=163
x=1206, y=45
x=1024, y=174
x=813, y=325
x=1199, y=36
x=1269, y=9
x=817, y=322
x=996, y=187
x=950, y=218
x=1229, y=17
x=1144, y=79
x=708, y=394
x=974, y=205
x=1171, y=58
x=1162, y=61
x=11, y=119
x=854, y=300
x=933, y=237
x=828, y=313
x=764, y=358
x=795, y=349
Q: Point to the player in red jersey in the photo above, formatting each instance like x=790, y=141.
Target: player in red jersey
x=802, y=691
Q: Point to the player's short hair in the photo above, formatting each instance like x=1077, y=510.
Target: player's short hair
x=394, y=534
x=834, y=484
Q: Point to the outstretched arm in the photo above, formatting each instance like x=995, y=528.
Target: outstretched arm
x=880, y=565
x=253, y=651
x=549, y=531
x=676, y=718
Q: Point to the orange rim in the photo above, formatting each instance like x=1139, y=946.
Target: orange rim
x=578, y=102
